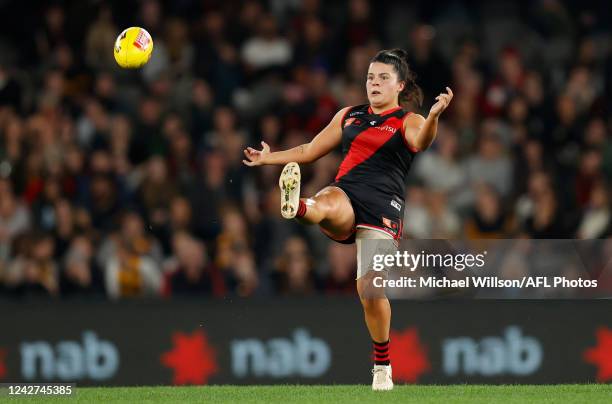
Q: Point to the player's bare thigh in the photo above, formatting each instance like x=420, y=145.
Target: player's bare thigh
x=369, y=243
x=338, y=218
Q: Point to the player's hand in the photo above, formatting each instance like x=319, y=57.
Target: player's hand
x=443, y=100
x=256, y=157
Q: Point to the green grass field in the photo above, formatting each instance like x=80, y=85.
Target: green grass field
x=337, y=394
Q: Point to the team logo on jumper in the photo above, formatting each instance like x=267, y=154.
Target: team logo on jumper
x=352, y=121
x=388, y=128
x=372, y=123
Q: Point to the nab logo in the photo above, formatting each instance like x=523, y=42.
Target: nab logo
x=281, y=357
x=192, y=358
x=2, y=363
x=94, y=358
x=513, y=354
x=601, y=354
x=408, y=355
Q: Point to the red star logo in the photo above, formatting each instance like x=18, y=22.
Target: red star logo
x=191, y=358
x=601, y=355
x=408, y=355
x=2, y=365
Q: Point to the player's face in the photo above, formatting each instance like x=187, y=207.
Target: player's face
x=382, y=85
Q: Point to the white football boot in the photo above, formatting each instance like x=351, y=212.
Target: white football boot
x=382, y=378
x=289, y=183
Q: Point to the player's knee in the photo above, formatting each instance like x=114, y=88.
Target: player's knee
x=323, y=205
x=330, y=202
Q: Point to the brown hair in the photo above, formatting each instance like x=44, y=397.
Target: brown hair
x=397, y=58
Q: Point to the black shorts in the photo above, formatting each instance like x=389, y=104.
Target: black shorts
x=373, y=210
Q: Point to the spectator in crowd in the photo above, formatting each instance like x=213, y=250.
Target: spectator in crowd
x=33, y=272
x=15, y=218
x=179, y=219
x=294, y=269
x=129, y=273
x=440, y=169
x=488, y=219
x=596, y=222
x=547, y=220
x=11, y=93
x=589, y=173
x=191, y=274
x=444, y=221
x=266, y=49
x=131, y=260
x=507, y=83
x=425, y=59
x=416, y=215
x=311, y=48
x=361, y=25
x=133, y=236
x=44, y=205
x=156, y=191
x=208, y=193
x=103, y=202
x=80, y=276
x=234, y=256
x=538, y=184
x=341, y=275
x=65, y=226
x=490, y=166
x=100, y=38
x=200, y=110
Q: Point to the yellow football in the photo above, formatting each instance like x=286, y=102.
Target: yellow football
x=133, y=48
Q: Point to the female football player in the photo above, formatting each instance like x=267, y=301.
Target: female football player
x=366, y=201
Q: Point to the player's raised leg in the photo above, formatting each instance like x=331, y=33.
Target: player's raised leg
x=330, y=208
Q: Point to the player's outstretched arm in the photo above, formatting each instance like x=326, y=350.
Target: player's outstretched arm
x=319, y=146
x=421, y=132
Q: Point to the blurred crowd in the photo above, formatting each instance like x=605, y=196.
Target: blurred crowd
x=118, y=183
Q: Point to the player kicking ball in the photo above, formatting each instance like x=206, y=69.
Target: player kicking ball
x=366, y=201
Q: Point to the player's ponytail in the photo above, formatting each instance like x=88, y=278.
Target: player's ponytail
x=398, y=58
